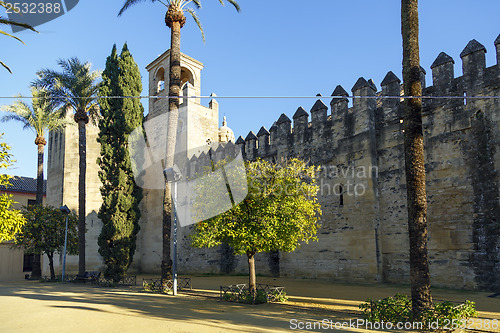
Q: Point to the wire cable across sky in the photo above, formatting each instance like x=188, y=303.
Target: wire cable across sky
x=266, y=97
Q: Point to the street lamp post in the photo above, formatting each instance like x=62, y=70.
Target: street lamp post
x=173, y=175
x=65, y=210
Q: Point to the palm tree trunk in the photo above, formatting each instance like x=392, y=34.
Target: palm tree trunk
x=414, y=160
x=40, y=141
x=173, y=91
x=252, y=280
x=82, y=151
x=36, y=272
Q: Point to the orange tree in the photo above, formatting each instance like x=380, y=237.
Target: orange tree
x=44, y=232
x=280, y=211
x=11, y=220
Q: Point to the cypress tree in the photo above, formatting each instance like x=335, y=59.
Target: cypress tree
x=119, y=211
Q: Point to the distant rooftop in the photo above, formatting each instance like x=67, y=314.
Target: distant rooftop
x=23, y=184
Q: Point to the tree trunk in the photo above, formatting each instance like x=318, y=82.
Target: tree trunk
x=173, y=116
x=39, y=175
x=36, y=272
x=82, y=120
x=51, y=265
x=414, y=160
x=252, y=280
x=166, y=262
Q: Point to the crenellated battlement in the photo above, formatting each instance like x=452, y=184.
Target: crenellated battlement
x=371, y=112
x=364, y=228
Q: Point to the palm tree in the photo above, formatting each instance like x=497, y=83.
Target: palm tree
x=76, y=86
x=6, y=21
x=175, y=20
x=414, y=160
x=41, y=117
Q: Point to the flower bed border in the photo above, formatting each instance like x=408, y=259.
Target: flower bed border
x=273, y=293
x=164, y=286
x=129, y=280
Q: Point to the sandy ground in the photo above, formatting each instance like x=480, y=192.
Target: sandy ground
x=29, y=306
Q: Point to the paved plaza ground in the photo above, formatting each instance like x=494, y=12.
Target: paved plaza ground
x=30, y=306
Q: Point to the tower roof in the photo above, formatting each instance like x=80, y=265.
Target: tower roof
x=225, y=133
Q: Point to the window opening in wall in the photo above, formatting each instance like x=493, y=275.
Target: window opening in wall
x=160, y=80
x=28, y=262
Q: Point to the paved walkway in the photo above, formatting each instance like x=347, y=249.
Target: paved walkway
x=29, y=306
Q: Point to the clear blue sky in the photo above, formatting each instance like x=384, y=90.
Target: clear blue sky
x=284, y=48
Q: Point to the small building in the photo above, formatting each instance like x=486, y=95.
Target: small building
x=14, y=263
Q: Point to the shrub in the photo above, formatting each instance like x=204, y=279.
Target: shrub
x=277, y=296
x=156, y=286
x=261, y=296
x=398, y=309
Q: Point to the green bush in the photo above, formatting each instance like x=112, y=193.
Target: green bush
x=151, y=286
x=245, y=297
x=398, y=309
x=276, y=296
x=446, y=312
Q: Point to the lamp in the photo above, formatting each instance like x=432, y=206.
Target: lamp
x=65, y=210
x=173, y=175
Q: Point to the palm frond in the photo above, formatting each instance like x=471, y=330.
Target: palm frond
x=186, y=2
x=6, y=21
x=6, y=34
x=197, y=20
x=128, y=4
x=13, y=116
x=76, y=85
x=197, y=3
x=40, y=117
x=5, y=66
x=19, y=111
x=235, y=5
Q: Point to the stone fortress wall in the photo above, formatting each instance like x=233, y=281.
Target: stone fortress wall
x=363, y=235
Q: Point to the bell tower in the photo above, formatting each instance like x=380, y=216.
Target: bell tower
x=197, y=123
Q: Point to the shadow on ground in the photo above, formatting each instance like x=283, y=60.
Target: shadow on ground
x=49, y=307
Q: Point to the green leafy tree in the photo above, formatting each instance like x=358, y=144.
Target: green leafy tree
x=75, y=86
x=11, y=220
x=175, y=20
x=414, y=161
x=280, y=211
x=40, y=117
x=6, y=21
x=44, y=232
x=119, y=211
